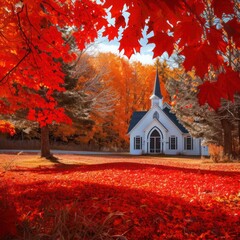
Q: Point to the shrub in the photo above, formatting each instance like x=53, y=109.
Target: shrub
x=216, y=152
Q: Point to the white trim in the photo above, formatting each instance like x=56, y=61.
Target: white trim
x=157, y=121
x=146, y=114
x=144, y=117
x=166, y=105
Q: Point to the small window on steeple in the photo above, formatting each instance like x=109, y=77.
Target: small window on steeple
x=156, y=115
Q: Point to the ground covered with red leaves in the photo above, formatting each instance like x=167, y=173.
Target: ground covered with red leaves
x=119, y=200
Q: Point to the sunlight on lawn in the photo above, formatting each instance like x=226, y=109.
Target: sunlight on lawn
x=117, y=199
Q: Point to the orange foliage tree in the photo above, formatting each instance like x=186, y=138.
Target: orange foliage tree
x=132, y=84
x=115, y=88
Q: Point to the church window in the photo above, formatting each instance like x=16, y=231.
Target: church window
x=156, y=115
x=173, y=142
x=137, y=143
x=188, y=143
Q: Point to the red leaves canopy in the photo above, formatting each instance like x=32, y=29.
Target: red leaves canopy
x=227, y=85
x=184, y=23
x=189, y=31
x=31, y=44
x=30, y=40
x=204, y=55
x=209, y=92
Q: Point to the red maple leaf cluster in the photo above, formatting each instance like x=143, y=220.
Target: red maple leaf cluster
x=188, y=28
x=33, y=44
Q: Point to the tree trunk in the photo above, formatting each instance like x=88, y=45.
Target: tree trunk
x=227, y=137
x=45, y=144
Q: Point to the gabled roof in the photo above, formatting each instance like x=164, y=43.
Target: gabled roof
x=136, y=117
x=161, y=124
x=157, y=89
x=174, y=119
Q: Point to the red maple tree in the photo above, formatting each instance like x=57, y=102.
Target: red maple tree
x=31, y=43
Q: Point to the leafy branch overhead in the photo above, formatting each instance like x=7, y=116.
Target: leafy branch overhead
x=206, y=33
x=36, y=35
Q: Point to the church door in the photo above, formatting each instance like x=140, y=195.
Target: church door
x=155, y=142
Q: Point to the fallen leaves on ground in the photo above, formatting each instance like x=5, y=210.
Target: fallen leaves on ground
x=137, y=201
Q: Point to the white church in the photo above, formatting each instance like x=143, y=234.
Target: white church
x=158, y=131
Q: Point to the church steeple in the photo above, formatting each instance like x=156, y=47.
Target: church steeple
x=156, y=97
x=157, y=89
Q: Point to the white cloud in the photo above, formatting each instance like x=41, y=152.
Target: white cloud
x=145, y=57
x=108, y=48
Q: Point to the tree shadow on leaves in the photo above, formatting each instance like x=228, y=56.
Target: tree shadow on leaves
x=61, y=167
x=139, y=214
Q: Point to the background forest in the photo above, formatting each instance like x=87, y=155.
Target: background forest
x=103, y=91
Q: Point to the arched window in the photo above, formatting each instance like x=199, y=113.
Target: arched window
x=155, y=133
x=155, y=142
x=156, y=115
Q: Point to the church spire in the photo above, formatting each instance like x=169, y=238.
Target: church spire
x=157, y=98
x=157, y=89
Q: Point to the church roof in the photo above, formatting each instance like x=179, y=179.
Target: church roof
x=174, y=119
x=157, y=89
x=136, y=117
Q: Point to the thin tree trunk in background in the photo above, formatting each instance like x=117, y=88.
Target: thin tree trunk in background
x=45, y=143
x=227, y=132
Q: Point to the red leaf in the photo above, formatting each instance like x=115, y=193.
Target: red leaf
x=196, y=6
x=163, y=42
x=176, y=5
x=215, y=38
x=233, y=30
x=222, y=6
x=160, y=14
x=111, y=32
x=209, y=93
x=116, y=6
x=189, y=30
x=120, y=22
x=200, y=56
x=229, y=83
x=168, y=9
x=129, y=43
